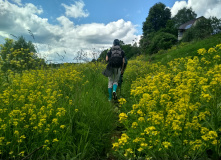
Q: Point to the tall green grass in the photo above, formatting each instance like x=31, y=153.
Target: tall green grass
x=143, y=77
x=185, y=49
x=98, y=116
x=90, y=119
x=82, y=131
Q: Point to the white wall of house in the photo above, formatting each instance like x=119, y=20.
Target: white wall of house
x=180, y=34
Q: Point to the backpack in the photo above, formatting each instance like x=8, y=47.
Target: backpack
x=116, y=58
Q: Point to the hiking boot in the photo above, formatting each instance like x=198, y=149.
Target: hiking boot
x=114, y=95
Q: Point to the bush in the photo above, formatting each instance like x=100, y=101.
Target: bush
x=160, y=41
x=202, y=29
x=19, y=55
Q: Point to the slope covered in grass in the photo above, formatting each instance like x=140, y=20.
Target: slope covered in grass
x=171, y=107
x=186, y=49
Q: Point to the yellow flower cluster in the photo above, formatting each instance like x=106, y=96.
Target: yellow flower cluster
x=166, y=144
x=122, y=117
x=34, y=109
x=202, y=51
x=122, y=101
x=178, y=101
x=18, y=59
x=122, y=141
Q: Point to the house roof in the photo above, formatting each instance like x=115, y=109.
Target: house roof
x=188, y=24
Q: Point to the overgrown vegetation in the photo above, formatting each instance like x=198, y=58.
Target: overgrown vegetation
x=62, y=113
x=172, y=111
x=19, y=55
x=203, y=28
x=160, y=29
x=169, y=102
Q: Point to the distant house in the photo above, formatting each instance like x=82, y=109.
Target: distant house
x=186, y=26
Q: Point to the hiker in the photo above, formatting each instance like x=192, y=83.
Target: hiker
x=115, y=59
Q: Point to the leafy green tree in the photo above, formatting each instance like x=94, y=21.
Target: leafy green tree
x=157, y=18
x=216, y=24
x=184, y=15
x=145, y=41
x=170, y=28
x=103, y=54
x=202, y=29
x=161, y=41
x=130, y=51
x=19, y=55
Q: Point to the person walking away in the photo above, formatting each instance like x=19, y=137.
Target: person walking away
x=115, y=59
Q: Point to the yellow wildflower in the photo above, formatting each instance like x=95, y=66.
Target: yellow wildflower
x=201, y=51
x=140, y=149
x=166, y=144
x=122, y=101
x=55, y=140
x=122, y=117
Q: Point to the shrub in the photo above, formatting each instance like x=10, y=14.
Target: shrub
x=19, y=55
x=162, y=41
x=202, y=29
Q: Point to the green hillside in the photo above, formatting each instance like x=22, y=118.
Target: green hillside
x=186, y=49
x=169, y=108
x=171, y=104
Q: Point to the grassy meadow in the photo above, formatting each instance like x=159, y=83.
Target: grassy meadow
x=57, y=113
x=173, y=105
x=169, y=108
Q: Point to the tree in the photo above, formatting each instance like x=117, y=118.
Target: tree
x=103, y=54
x=184, y=15
x=157, y=18
x=21, y=43
x=216, y=24
x=202, y=29
x=170, y=28
x=161, y=41
x=19, y=55
x=130, y=50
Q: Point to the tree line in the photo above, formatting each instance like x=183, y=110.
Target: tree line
x=160, y=30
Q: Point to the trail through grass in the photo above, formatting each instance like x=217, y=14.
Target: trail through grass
x=63, y=113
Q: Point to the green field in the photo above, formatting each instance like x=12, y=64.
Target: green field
x=169, y=108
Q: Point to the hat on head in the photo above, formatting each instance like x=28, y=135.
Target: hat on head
x=116, y=42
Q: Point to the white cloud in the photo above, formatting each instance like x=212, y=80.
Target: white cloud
x=75, y=10
x=204, y=8
x=64, y=37
x=65, y=22
x=17, y=2
x=177, y=6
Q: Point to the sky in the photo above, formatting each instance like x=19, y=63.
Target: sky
x=65, y=29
